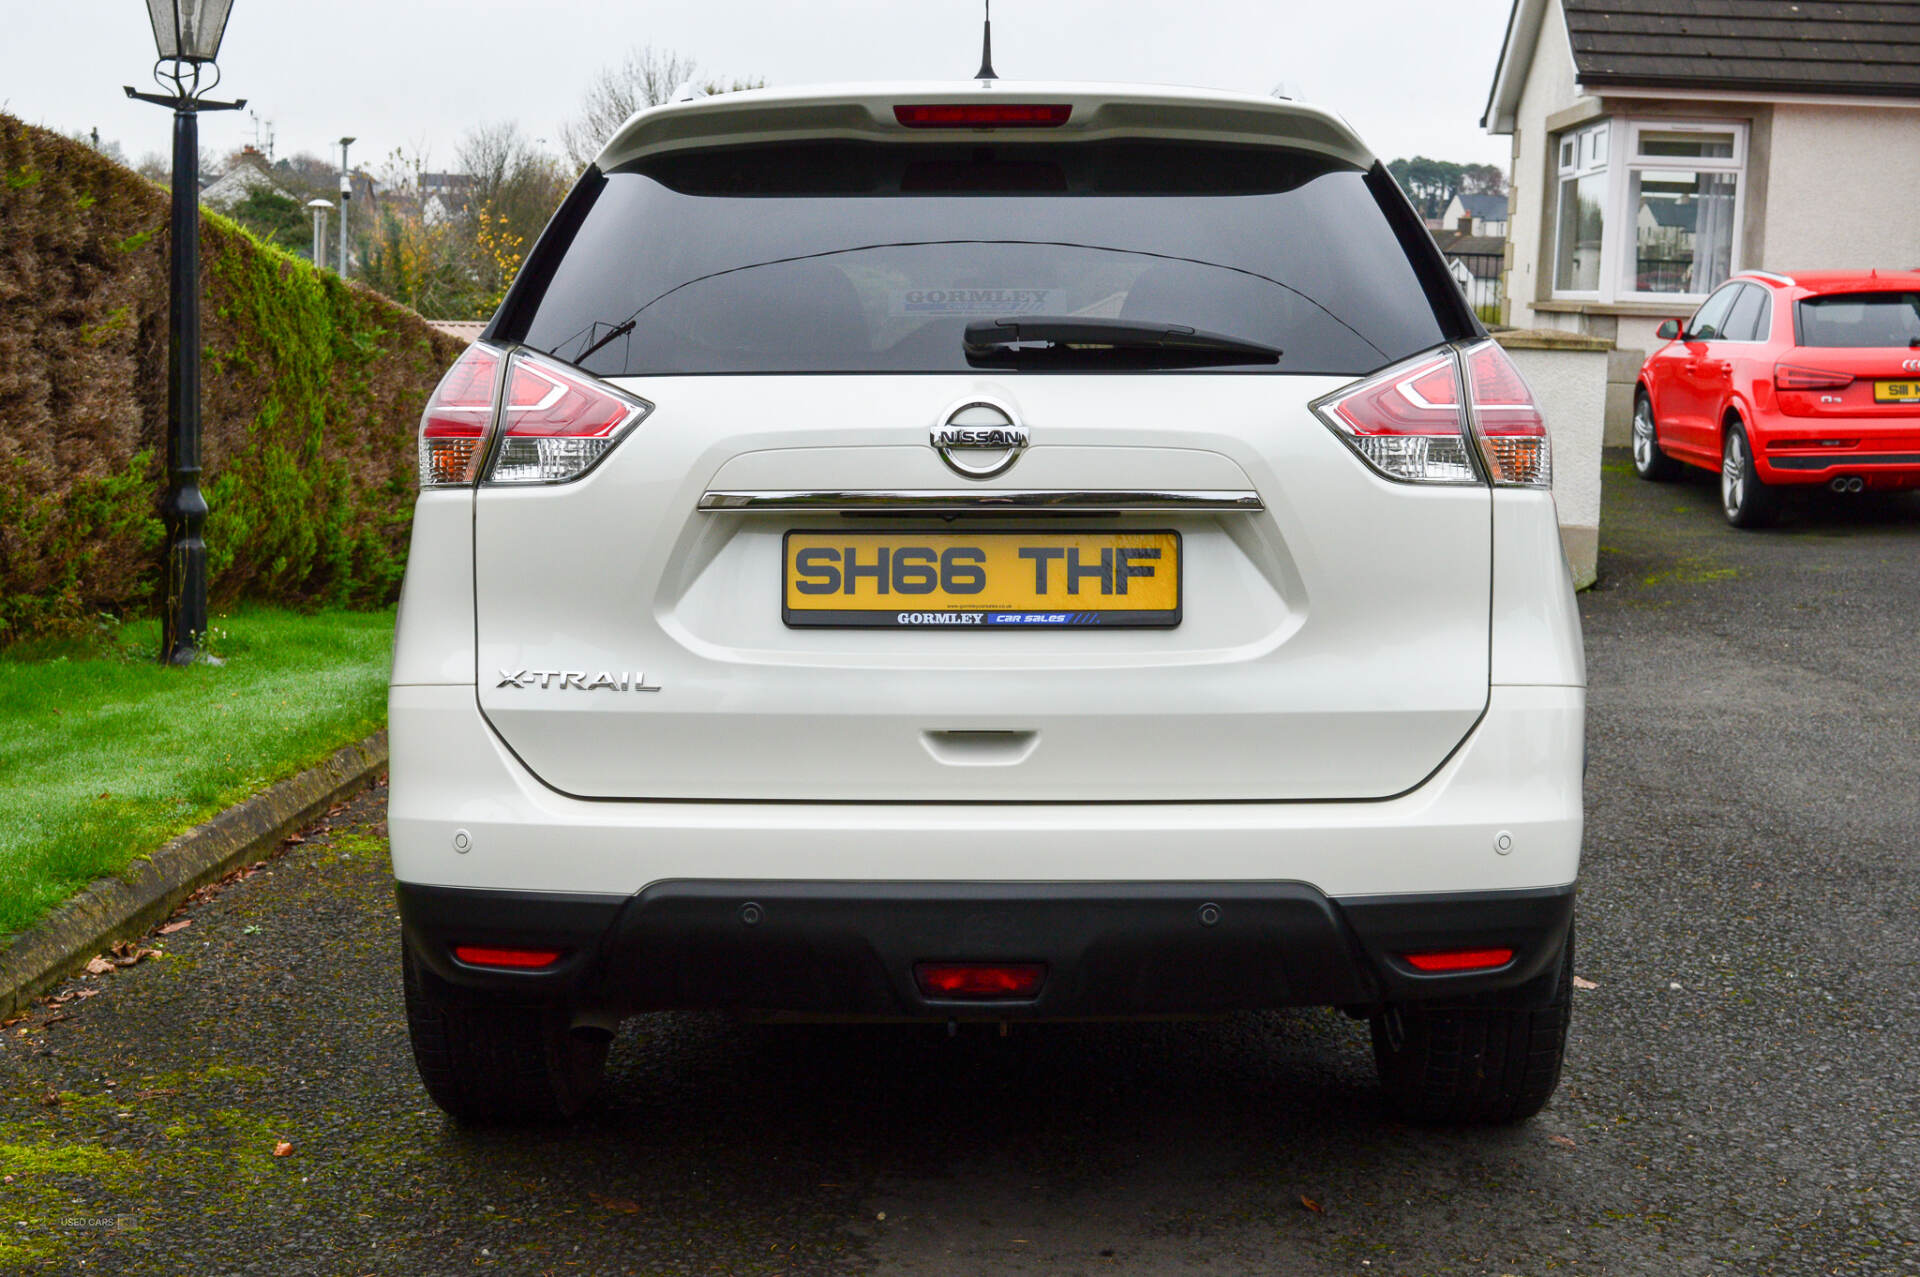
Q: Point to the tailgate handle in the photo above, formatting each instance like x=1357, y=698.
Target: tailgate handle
x=980, y=749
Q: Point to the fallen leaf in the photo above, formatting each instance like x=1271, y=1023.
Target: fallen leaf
x=98, y=966
x=105, y=794
x=621, y=1204
x=51, y=1099
x=1561, y=1139
x=1312, y=1205
x=156, y=1093
x=172, y=927
x=8, y=1024
x=1581, y=982
x=282, y=1149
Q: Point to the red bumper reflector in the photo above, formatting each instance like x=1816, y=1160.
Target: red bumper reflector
x=980, y=979
x=1460, y=960
x=475, y=955
x=984, y=115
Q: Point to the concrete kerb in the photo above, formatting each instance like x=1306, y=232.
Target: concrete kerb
x=129, y=905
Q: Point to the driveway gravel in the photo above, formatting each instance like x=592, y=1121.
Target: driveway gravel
x=1742, y=1094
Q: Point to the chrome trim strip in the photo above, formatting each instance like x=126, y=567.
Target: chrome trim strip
x=983, y=501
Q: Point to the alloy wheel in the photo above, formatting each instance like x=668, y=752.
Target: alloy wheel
x=1733, y=473
x=1643, y=442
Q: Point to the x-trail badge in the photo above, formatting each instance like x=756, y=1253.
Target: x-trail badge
x=979, y=440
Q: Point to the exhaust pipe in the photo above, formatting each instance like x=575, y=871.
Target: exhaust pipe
x=1847, y=483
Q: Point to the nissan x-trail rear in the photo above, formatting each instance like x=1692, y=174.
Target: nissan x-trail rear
x=979, y=552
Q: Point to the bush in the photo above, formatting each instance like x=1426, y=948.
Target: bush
x=310, y=392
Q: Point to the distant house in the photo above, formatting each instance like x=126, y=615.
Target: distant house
x=444, y=196
x=1659, y=147
x=247, y=174
x=1476, y=263
x=1476, y=215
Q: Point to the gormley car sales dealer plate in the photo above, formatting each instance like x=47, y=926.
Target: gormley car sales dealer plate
x=984, y=580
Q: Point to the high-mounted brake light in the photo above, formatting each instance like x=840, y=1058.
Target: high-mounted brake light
x=475, y=955
x=453, y=429
x=1460, y=960
x=1796, y=377
x=1408, y=422
x=983, y=115
x=556, y=424
x=962, y=980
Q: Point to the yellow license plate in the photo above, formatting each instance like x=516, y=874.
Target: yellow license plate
x=1896, y=391
x=982, y=580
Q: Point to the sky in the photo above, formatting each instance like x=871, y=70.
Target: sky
x=414, y=75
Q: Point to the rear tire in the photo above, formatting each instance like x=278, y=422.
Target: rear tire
x=1747, y=501
x=486, y=1062
x=1476, y=1063
x=1650, y=461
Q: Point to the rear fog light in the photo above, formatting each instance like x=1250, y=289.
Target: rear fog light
x=1460, y=960
x=980, y=980
x=518, y=959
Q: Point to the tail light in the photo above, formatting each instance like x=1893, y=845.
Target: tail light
x=1511, y=432
x=453, y=429
x=555, y=425
x=1795, y=377
x=1408, y=422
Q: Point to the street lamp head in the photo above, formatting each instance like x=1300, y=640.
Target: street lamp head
x=319, y=204
x=188, y=30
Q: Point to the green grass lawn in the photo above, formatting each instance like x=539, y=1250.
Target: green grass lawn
x=105, y=755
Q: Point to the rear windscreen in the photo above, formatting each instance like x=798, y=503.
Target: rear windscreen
x=1861, y=319
x=863, y=257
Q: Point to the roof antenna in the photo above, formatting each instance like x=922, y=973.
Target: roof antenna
x=986, y=48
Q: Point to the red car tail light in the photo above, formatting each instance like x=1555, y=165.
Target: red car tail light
x=1460, y=960
x=453, y=428
x=1796, y=377
x=556, y=425
x=1406, y=422
x=966, y=980
x=475, y=955
x=1507, y=422
x=983, y=115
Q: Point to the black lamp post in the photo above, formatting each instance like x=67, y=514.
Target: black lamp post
x=187, y=33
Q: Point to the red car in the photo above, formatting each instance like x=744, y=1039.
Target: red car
x=1781, y=381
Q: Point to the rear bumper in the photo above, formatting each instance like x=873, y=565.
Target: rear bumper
x=1110, y=949
x=1503, y=813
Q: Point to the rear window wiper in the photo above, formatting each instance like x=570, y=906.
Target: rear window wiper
x=1072, y=339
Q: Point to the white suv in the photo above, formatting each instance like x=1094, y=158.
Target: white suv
x=986, y=552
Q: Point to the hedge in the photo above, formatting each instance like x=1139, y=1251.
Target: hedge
x=311, y=390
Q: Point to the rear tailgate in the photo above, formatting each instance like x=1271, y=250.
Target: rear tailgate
x=1334, y=645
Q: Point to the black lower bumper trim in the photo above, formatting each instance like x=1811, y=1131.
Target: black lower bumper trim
x=1845, y=460
x=1111, y=949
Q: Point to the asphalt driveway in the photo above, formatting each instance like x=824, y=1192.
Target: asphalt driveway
x=1743, y=1091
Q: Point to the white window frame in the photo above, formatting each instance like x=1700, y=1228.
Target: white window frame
x=1591, y=152
x=1618, y=234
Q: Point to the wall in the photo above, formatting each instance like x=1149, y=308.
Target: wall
x=1844, y=191
x=1568, y=377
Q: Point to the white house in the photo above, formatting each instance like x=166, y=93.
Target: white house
x=1476, y=215
x=247, y=174
x=1659, y=147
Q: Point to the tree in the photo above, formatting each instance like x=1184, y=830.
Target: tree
x=275, y=218
x=516, y=188
x=645, y=77
x=1432, y=184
